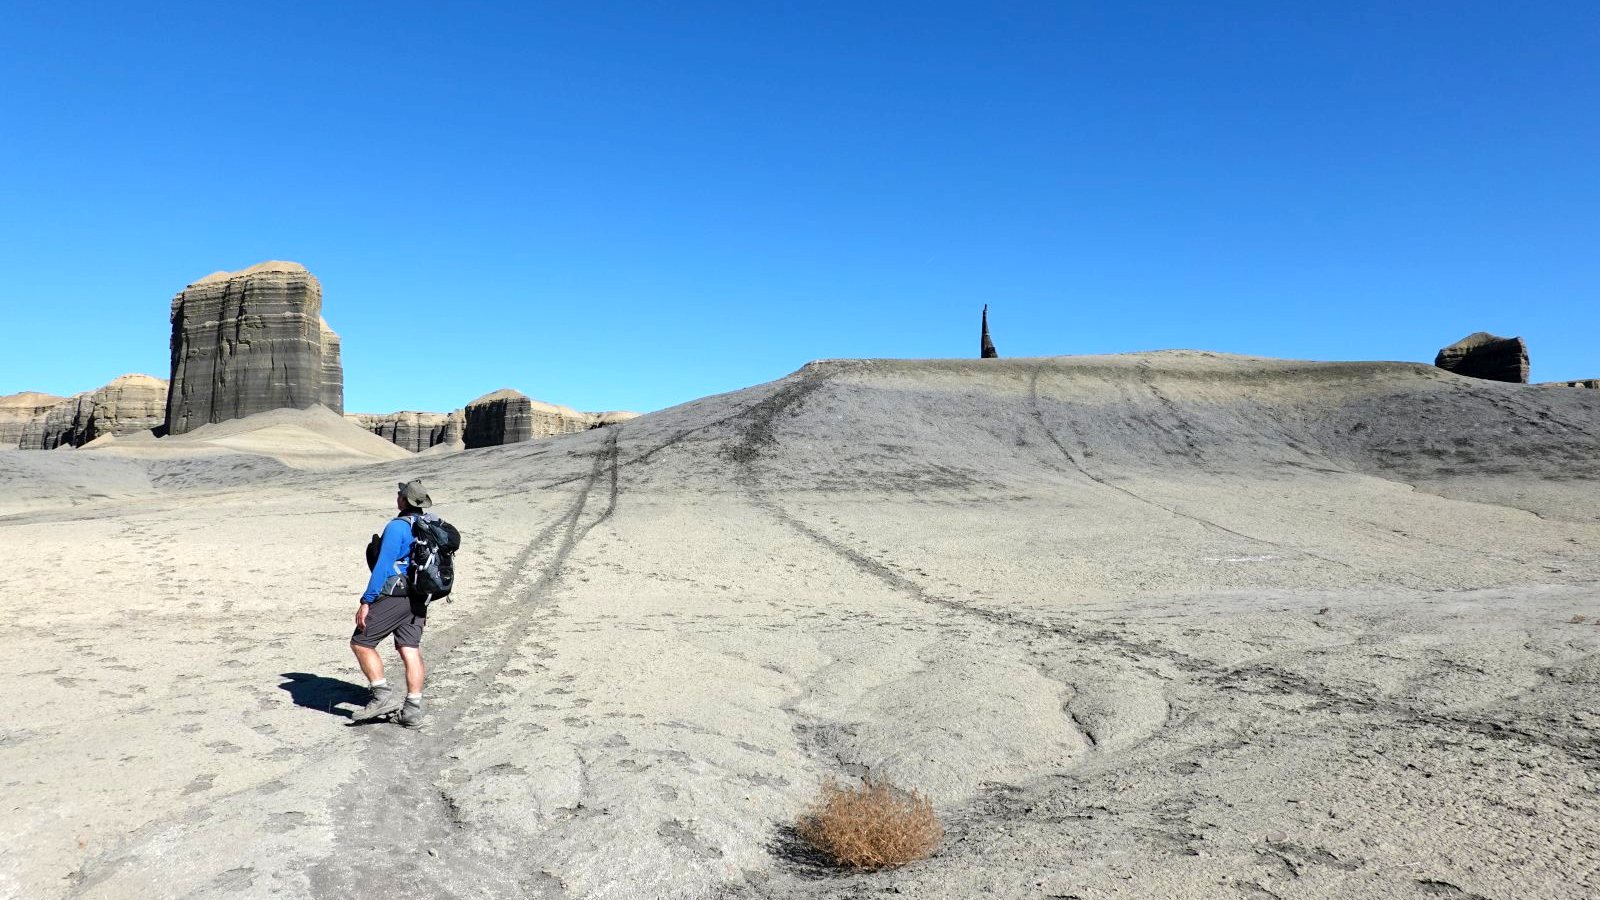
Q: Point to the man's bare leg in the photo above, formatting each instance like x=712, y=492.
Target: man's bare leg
x=415, y=671
x=385, y=699
x=411, y=714
x=370, y=661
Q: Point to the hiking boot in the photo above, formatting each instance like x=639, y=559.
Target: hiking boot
x=411, y=714
x=384, y=700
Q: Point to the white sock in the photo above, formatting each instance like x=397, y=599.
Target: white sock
x=381, y=682
x=413, y=696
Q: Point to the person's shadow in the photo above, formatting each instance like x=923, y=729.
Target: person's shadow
x=323, y=694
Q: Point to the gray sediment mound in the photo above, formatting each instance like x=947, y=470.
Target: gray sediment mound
x=1173, y=624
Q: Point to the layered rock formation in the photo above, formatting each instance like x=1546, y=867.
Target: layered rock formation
x=129, y=404
x=415, y=431
x=614, y=417
x=985, y=345
x=249, y=341
x=507, y=417
x=503, y=417
x=1487, y=356
x=332, y=395
x=17, y=410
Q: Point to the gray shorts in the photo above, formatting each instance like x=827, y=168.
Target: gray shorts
x=399, y=616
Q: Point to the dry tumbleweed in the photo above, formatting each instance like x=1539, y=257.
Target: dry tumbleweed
x=874, y=826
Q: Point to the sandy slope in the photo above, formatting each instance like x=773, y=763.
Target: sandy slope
x=313, y=439
x=1172, y=624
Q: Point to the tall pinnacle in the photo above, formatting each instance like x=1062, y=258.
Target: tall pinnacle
x=987, y=347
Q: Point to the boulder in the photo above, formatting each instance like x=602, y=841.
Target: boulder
x=1487, y=356
x=1591, y=383
x=129, y=404
x=249, y=341
x=508, y=417
x=415, y=431
x=17, y=410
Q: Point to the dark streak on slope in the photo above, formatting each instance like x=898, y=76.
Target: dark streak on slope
x=1038, y=416
x=1263, y=677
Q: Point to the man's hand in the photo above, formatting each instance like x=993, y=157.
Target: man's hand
x=361, y=617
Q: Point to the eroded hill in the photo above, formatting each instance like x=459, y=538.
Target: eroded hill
x=1174, y=624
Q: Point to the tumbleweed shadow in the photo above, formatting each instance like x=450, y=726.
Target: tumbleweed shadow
x=799, y=856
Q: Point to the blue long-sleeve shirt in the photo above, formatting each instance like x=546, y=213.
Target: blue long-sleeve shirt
x=394, y=556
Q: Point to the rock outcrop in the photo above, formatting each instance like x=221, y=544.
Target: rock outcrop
x=414, y=431
x=249, y=341
x=507, y=417
x=614, y=417
x=129, y=404
x=332, y=370
x=503, y=417
x=1591, y=383
x=1487, y=356
x=985, y=345
x=17, y=410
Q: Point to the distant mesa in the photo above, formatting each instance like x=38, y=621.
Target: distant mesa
x=414, y=431
x=254, y=341
x=1487, y=356
x=249, y=341
x=129, y=404
x=611, y=417
x=17, y=410
x=509, y=417
x=502, y=417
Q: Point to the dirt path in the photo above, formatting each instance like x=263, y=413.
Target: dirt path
x=395, y=824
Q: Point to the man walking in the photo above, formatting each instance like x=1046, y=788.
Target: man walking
x=387, y=608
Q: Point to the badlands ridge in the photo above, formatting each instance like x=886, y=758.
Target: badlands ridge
x=1173, y=624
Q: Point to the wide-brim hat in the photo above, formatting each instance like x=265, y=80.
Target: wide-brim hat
x=415, y=494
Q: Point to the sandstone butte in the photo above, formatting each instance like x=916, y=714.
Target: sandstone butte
x=415, y=431
x=508, y=417
x=1487, y=356
x=128, y=404
x=17, y=410
x=248, y=341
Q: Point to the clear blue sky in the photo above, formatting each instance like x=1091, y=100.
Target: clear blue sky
x=632, y=205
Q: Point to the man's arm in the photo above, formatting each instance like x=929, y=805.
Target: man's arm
x=394, y=546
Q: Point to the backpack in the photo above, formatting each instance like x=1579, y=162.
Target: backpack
x=431, y=572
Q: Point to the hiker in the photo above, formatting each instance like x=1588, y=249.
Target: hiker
x=389, y=607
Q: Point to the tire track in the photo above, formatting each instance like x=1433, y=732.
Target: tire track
x=1037, y=413
x=670, y=441
x=456, y=863
x=1262, y=678
x=1255, y=677
x=331, y=877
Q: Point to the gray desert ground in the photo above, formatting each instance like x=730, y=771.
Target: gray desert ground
x=1174, y=624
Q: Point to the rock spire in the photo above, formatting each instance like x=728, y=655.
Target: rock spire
x=986, y=346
